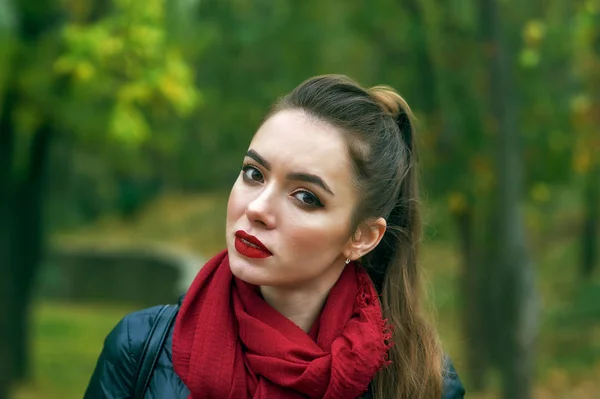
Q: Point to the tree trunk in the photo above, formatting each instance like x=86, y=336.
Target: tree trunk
x=20, y=204
x=28, y=233
x=457, y=112
x=591, y=223
x=471, y=293
x=6, y=287
x=514, y=297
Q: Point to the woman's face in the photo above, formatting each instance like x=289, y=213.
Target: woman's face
x=293, y=200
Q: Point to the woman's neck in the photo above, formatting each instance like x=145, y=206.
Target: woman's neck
x=303, y=304
x=301, y=307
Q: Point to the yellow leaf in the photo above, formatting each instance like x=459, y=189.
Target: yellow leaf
x=540, y=192
x=582, y=161
x=170, y=88
x=84, y=71
x=457, y=202
x=580, y=104
x=534, y=32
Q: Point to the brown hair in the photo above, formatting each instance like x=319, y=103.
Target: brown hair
x=377, y=124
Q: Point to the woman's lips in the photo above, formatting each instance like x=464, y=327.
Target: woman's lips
x=250, y=246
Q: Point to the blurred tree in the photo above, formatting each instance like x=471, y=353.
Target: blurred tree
x=456, y=137
x=513, y=295
x=24, y=159
x=586, y=119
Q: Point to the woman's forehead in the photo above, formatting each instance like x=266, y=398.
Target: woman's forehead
x=293, y=136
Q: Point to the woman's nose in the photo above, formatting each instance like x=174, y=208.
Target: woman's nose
x=261, y=209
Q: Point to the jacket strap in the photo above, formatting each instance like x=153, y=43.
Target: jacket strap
x=152, y=348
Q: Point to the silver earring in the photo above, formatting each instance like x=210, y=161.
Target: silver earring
x=347, y=260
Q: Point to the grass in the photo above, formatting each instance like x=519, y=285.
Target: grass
x=68, y=338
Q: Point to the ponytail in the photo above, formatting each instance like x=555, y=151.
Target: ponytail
x=403, y=220
x=416, y=358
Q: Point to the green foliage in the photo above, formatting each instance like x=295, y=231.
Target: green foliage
x=124, y=72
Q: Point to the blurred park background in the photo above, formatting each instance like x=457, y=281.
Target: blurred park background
x=123, y=124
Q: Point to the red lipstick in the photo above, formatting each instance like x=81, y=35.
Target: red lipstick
x=250, y=246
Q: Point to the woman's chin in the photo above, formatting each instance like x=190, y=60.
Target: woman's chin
x=245, y=270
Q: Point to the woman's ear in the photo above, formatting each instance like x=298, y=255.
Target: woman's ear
x=367, y=236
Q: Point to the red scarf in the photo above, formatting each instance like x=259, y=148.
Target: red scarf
x=228, y=343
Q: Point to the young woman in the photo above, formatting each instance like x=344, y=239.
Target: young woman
x=317, y=292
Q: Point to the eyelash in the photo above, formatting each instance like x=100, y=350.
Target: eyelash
x=249, y=167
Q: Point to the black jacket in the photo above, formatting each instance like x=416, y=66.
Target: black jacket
x=116, y=370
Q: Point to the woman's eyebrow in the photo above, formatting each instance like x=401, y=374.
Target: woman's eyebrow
x=263, y=162
x=305, y=177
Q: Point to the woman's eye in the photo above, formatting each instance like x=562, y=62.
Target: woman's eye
x=251, y=174
x=309, y=199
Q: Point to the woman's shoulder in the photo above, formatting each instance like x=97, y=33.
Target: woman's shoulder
x=118, y=364
x=452, y=386
x=132, y=331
